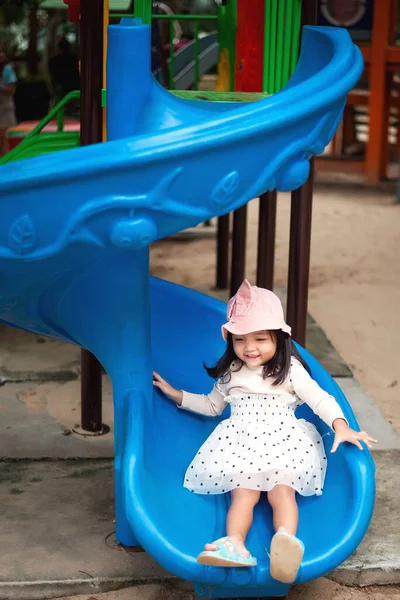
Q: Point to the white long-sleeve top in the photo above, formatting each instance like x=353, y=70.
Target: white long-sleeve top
x=299, y=384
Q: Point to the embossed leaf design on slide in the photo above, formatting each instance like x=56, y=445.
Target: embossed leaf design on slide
x=225, y=188
x=22, y=235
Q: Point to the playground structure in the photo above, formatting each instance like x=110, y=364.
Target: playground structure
x=242, y=68
x=376, y=35
x=375, y=32
x=91, y=286
x=279, y=36
x=55, y=132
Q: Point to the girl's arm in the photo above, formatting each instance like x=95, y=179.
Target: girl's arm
x=211, y=405
x=307, y=389
x=325, y=406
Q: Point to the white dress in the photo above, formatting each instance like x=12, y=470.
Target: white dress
x=262, y=443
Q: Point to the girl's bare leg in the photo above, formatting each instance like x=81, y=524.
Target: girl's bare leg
x=240, y=518
x=286, y=552
x=282, y=499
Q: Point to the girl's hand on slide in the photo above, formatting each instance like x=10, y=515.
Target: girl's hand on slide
x=344, y=433
x=168, y=390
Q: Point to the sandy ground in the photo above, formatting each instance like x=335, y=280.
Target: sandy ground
x=354, y=279
x=317, y=590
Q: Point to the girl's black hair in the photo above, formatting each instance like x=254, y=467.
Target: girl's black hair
x=278, y=367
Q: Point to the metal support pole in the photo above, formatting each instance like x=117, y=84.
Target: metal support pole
x=299, y=258
x=91, y=34
x=300, y=229
x=238, y=248
x=223, y=252
x=309, y=12
x=266, y=240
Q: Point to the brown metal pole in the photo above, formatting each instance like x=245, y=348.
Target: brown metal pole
x=33, y=35
x=299, y=258
x=300, y=229
x=266, y=240
x=223, y=252
x=238, y=248
x=91, y=37
x=309, y=12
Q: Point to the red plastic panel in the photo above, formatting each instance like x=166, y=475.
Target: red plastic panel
x=249, y=46
x=73, y=10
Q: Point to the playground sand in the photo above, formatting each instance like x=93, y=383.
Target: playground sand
x=354, y=278
x=315, y=590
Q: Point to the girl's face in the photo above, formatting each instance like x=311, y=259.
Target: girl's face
x=255, y=349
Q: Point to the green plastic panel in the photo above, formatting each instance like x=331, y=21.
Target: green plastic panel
x=44, y=143
x=220, y=96
x=38, y=142
x=210, y=96
x=282, y=22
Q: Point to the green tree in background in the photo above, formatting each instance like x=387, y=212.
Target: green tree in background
x=13, y=11
x=19, y=27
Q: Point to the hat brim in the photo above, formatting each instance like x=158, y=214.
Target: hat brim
x=246, y=326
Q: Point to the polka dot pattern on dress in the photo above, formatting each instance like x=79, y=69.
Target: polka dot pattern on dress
x=261, y=445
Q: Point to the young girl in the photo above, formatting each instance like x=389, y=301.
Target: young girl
x=262, y=446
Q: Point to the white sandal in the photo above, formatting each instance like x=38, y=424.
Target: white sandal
x=287, y=552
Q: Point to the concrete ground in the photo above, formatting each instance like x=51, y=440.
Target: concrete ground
x=57, y=524
x=316, y=590
x=56, y=492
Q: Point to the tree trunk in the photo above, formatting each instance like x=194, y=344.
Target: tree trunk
x=33, y=32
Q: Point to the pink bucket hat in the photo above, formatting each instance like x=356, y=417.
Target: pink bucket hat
x=254, y=309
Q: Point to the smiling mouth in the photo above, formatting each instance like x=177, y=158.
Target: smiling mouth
x=252, y=357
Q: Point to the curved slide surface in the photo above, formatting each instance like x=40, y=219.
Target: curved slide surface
x=175, y=529
x=184, y=61
x=75, y=231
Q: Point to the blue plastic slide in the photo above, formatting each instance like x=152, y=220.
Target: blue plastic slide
x=184, y=67
x=75, y=231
